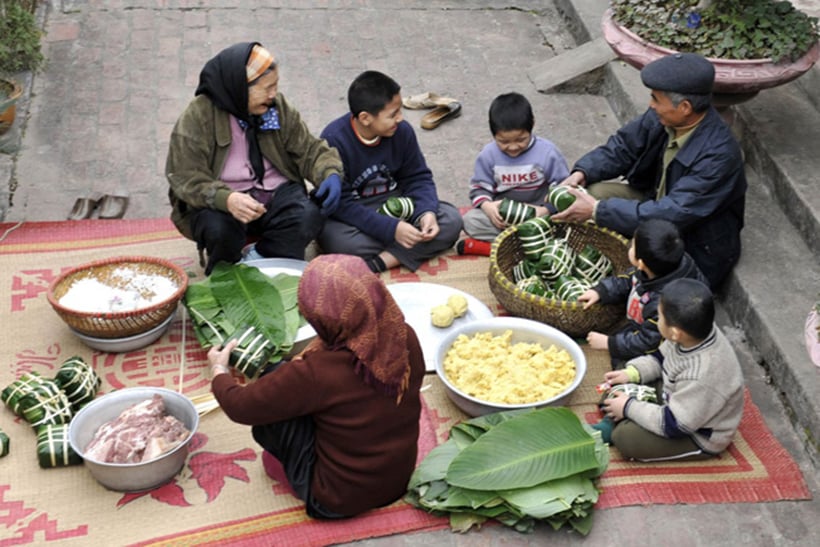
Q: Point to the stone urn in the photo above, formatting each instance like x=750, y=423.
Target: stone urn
x=736, y=81
x=10, y=91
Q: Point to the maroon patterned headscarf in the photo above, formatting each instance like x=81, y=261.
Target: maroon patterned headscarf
x=350, y=306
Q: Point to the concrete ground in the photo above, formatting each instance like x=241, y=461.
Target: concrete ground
x=119, y=72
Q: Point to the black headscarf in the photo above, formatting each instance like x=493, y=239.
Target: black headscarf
x=223, y=79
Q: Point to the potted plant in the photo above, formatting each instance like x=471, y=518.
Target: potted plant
x=19, y=51
x=754, y=44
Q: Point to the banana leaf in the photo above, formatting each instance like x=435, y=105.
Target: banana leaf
x=245, y=294
x=543, y=445
x=552, y=497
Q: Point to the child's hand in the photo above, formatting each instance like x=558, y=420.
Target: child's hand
x=428, y=225
x=614, y=407
x=490, y=209
x=596, y=340
x=407, y=235
x=616, y=377
x=589, y=297
x=541, y=211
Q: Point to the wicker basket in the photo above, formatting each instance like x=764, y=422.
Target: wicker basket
x=569, y=317
x=124, y=323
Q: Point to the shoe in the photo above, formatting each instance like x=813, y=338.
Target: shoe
x=440, y=114
x=85, y=207
x=472, y=246
x=113, y=206
x=425, y=100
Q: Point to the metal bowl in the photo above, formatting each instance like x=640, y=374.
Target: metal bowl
x=524, y=330
x=132, y=477
x=128, y=343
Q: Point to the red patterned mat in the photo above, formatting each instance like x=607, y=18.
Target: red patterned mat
x=223, y=496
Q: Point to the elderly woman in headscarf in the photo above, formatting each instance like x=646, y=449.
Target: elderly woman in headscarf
x=237, y=161
x=342, y=419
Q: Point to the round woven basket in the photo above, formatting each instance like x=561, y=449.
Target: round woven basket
x=122, y=323
x=569, y=317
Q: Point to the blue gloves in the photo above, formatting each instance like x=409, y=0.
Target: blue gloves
x=329, y=194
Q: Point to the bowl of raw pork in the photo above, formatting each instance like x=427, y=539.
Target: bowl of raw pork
x=118, y=297
x=134, y=439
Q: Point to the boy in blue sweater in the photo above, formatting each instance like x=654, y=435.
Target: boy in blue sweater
x=517, y=164
x=382, y=159
x=658, y=257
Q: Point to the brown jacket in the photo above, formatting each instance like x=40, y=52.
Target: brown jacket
x=366, y=445
x=199, y=146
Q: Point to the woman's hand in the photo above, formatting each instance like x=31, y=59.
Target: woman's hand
x=244, y=208
x=219, y=358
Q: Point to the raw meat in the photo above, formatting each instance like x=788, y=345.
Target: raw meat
x=141, y=433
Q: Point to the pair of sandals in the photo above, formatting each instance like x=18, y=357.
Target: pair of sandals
x=444, y=108
x=108, y=206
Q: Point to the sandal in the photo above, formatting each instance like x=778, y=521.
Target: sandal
x=113, y=206
x=425, y=100
x=85, y=207
x=440, y=114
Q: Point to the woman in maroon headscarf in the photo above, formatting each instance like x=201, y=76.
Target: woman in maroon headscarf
x=342, y=418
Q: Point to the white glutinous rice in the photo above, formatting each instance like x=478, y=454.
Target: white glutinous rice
x=123, y=290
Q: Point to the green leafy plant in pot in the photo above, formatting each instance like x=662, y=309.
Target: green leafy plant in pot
x=19, y=51
x=726, y=29
x=754, y=44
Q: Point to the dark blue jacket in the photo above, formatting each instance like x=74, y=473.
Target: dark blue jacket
x=705, y=187
x=641, y=295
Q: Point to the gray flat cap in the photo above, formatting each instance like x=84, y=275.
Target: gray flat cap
x=680, y=73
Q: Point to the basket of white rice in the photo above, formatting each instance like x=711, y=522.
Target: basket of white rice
x=118, y=297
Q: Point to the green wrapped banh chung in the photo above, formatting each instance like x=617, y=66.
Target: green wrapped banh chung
x=252, y=352
x=523, y=270
x=534, y=285
x=591, y=265
x=53, y=448
x=533, y=235
x=5, y=444
x=12, y=393
x=398, y=207
x=557, y=259
x=515, y=212
x=569, y=288
x=79, y=381
x=46, y=404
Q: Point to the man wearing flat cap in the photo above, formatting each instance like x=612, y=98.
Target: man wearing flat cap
x=238, y=159
x=679, y=162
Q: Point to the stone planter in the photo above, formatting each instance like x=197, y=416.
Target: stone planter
x=10, y=91
x=736, y=81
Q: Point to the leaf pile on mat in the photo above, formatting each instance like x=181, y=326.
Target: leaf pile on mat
x=240, y=301
x=517, y=467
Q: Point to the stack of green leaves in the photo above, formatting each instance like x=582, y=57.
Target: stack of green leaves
x=518, y=467
x=238, y=297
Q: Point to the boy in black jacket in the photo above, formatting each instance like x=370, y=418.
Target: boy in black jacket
x=658, y=257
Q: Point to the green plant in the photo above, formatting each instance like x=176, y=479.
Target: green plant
x=729, y=29
x=19, y=36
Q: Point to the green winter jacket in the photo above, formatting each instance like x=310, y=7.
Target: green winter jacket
x=199, y=146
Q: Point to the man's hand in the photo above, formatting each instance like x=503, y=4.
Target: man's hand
x=490, y=209
x=244, y=208
x=580, y=211
x=575, y=179
x=428, y=226
x=329, y=194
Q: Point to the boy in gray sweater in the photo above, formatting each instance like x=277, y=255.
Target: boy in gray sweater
x=698, y=375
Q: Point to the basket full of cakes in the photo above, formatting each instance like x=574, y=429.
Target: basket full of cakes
x=539, y=268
